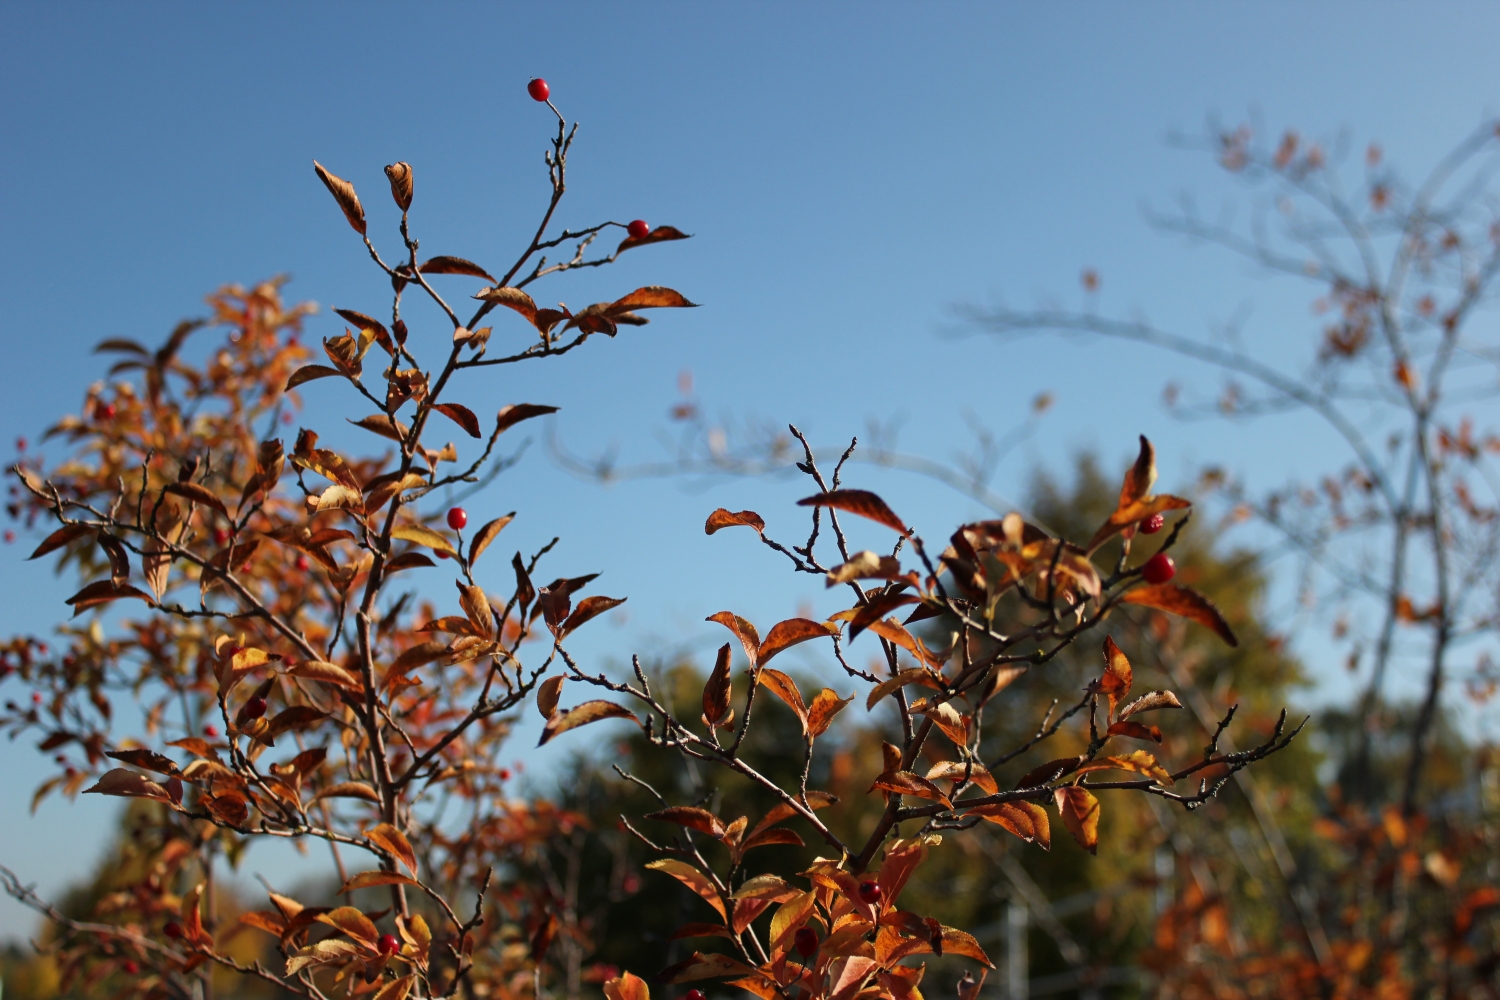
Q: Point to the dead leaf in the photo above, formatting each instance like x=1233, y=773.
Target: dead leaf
x=132, y=784
x=487, y=534
x=547, y=694
x=588, y=609
x=514, y=413
x=722, y=518
x=861, y=502
x=453, y=265
x=692, y=817
x=1080, y=813
x=1183, y=601
x=657, y=235
x=786, y=689
x=743, y=631
x=693, y=879
x=825, y=706
x=866, y=565
x=343, y=193
x=394, y=843
x=784, y=635
x=716, y=693
x=1149, y=701
x=1117, y=676
x=910, y=783
x=582, y=715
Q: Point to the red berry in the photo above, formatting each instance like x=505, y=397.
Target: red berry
x=389, y=945
x=457, y=518
x=36, y=697
x=538, y=89
x=129, y=967
x=255, y=708
x=70, y=771
x=10, y=536
x=806, y=942
x=505, y=774
x=221, y=535
x=104, y=411
x=440, y=554
x=694, y=995
x=303, y=564
x=210, y=731
x=869, y=892
x=1152, y=524
x=638, y=229
x=173, y=929
x=20, y=444
x=1159, y=568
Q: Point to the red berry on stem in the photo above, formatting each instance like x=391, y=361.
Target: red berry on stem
x=221, y=535
x=457, y=518
x=173, y=929
x=389, y=945
x=694, y=995
x=304, y=564
x=505, y=774
x=638, y=229
x=806, y=942
x=441, y=554
x=255, y=708
x=1159, y=568
x=129, y=967
x=1152, y=524
x=210, y=731
x=869, y=892
x=104, y=411
x=538, y=89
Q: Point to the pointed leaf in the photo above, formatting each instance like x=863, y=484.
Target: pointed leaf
x=547, y=694
x=786, y=689
x=343, y=193
x=784, y=635
x=651, y=297
x=1080, y=813
x=1182, y=601
x=743, y=631
x=825, y=706
x=422, y=535
x=693, y=879
x=487, y=534
x=460, y=415
x=198, y=494
x=692, y=817
x=62, y=536
x=716, y=693
x=1148, y=702
x=125, y=782
x=861, y=502
x=394, y=843
x=588, y=609
x=722, y=518
x=582, y=715
x=910, y=783
x=1117, y=676
x=514, y=413
x=453, y=265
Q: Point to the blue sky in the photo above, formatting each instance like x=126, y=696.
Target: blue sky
x=851, y=172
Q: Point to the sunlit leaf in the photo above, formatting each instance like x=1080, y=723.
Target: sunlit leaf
x=692, y=817
x=716, y=693
x=861, y=502
x=514, y=413
x=582, y=715
x=453, y=265
x=722, y=518
x=784, y=635
x=125, y=782
x=824, y=707
x=487, y=534
x=693, y=879
x=910, y=783
x=1080, y=813
x=343, y=193
x=460, y=415
x=393, y=842
x=1182, y=601
x=743, y=631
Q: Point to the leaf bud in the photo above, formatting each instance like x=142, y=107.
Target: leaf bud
x=401, y=183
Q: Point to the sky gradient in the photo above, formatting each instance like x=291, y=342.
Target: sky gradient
x=851, y=172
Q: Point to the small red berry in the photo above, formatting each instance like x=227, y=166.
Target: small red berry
x=173, y=929
x=806, y=942
x=129, y=967
x=869, y=892
x=1152, y=524
x=70, y=771
x=211, y=731
x=389, y=945
x=36, y=697
x=20, y=444
x=505, y=774
x=104, y=411
x=303, y=564
x=638, y=229
x=221, y=535
x=694, y=995
x=1159, y=568
x=255, y=708
x=440, y=554
x=10, y=536
x=538, y=89
x=457, y=518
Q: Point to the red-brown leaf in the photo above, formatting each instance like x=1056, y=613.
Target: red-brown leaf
x=514, y=413
x=460, y=415
x=1182, y=601
x=582, y=715
x=722, y=518
x=657, y=235
x=861, y=502
x=784, y=635
x=454, y=265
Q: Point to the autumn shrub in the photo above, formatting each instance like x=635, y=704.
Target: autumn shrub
x=298, y=694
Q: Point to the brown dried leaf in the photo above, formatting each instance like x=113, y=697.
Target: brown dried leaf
x=861, y=502
x=197, y=494
x=588, y=609
x=824, y=707
x=743, y=631
x=512, y=298
x=385, y=426
x=514, y=413
x=1182, y=601
x=783, y=811
x=370, y=325
x=957, y=770
x=399, y=174
x=487, y=534
x=477, y=607
x=132, y=784
x=626, y=987
x=786, y=689
x=1080, y=813
x=1009, y=816
x=784, y=635
x=692, y=817
x=582, y=715
x=1117, y=676
x=1136, y=730
x=394, y=843
x=353, y=923
x=915, y=675
x=349, y=790
x=454, y=265
x=657, y=235
x=694, y=880
x=879, y=605
x=716, y=693
x=1149, y=701
x=1049, y=772
x=148, y=759
x=701, y=966
x=547, y=694
x=102, y=592
x=62, y=536
x=651, y=297
x=328, y=673
x=422, y=535
x=910, y=783
x=460, y=415
x=722, y=518
x=343, y=193
x=866, y=565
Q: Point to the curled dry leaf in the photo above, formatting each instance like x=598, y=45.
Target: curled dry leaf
x=132, y=784
x=701, y=966
x=460, y=415
x=626, y=987
x=879, y=605
x=1149, y=701
x=1135, y=730
x=915, y=675
x=349, y=790
x=547, y=694
x=343, y=193
x=866, y=565
x=582, y=715
x=716, y=693
x=197, y=494
x=743, y=631
x=957, y=770
x=1080, y=813
x=1183, y=601
x=657, y=235
x=1049, y=772
x=328, y=673
x=588, y=609
x=62, y=536
x=102, y=592
x=722, y=518
x=421, y=535
x=861, y=502
x=399, y=174
x=511, y=298
x=371, y=326
x=1117, y=676
x=824, y=707
x=393, y=842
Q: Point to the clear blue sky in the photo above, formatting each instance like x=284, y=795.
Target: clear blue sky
x=851, y=171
